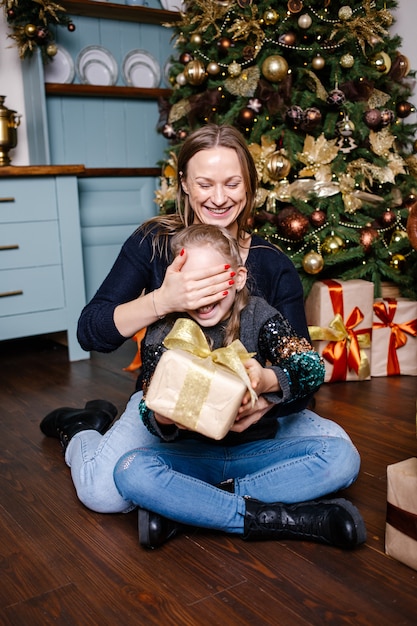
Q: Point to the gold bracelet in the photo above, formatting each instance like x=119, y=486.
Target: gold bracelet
x=161, y=317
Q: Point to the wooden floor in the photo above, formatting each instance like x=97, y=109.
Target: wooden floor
x=64, y=565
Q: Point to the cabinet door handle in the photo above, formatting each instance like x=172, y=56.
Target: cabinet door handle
x=7, y=294
x=12, y=246
x=7, y=200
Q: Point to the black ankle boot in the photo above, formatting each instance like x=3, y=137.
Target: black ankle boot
x=65, y=422
x=155, y=530
x=333, y=522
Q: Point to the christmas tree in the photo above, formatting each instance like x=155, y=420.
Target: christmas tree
x=321, y=92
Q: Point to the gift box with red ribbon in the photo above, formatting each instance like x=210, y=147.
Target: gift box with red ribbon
x=339, y=316
x=394, y=337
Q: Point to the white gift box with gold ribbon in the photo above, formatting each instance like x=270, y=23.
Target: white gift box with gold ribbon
x=196, y=388
x=339, y=317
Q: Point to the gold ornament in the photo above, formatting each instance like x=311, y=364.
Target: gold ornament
x=398, y=235
x=30, y=30
x=196, y=40
x=347, y=61
x=245, y=84
x=234, y=69
x=345, y=13
x=397, y=262
x=278, y=166
x=51, y=50
x=270, y=17
x=213, y=68
x=195, y=72
x=332, y=244
x=313, y=262
x=318, y=62
x=381, y=62
x=274, y=68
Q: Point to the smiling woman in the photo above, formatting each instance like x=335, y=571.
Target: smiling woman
x=146, y=283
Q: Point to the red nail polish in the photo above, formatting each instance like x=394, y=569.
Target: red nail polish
x=231, y=282
x=182, y=252
x=225, y=293
x=232, y=274
x=227, y=266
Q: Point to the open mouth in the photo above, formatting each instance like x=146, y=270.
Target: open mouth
x=206, y=310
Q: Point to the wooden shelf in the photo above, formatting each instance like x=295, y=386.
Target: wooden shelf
x=98, y=91
x=96, y=172
x=122, y=12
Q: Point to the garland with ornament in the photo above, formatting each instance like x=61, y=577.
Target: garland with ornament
x=322, y=94
x=32, y=23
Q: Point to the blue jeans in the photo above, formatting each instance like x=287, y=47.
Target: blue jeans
x=310, y=457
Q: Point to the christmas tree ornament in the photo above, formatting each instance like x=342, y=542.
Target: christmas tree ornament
x=381, y=62
x=168, y=131
x=294, y=116
x=51, y=50
x=403, y=109
x=224, y=44
x=410, y=200
x=397, y=262
x=336, y=98
x=181, y=79
x=318, y=62
x=345, y=13
x=213, y=68
x=186, y=57
x=42, y=35
x=398, y=235
x=304, y=21
x=388, y=218
x=312, y=118
x=30, y=30
x=71, y=27
x=372, y=118
x=387, y=117
x=404, y=65
x=347, y=61
x=195, y=72
x=11, y=14
x=313, y=262
x=270, y=17
x=246, y=117
x=255, y=105
x=295, y=6
x=318, y=218
x=234, y=69
x=332, y=244
x=367, y=236
x=287, y=39
x=274, y=68
x=182, y=134
x=345, y=127
x=196, y=40
x=292, y=223
x=278, y=166
x=245, y=84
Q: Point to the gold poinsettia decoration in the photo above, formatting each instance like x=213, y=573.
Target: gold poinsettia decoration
x=248, y=28
x=317, y=155
x=365, y=29
x=260, y=154
x=383, y=144
x=202, y=14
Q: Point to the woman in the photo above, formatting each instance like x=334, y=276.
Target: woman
x=218, y=183
x=183, y=479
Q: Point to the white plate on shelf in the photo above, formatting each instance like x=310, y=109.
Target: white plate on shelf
x=141, y=69
x=173, y=5
x=60, y=69
x=96, y=66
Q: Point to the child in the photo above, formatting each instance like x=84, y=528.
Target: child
x=200, y=482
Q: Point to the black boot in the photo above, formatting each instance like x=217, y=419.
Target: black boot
x=65, y=422
x=155, y=530
x=333, y=522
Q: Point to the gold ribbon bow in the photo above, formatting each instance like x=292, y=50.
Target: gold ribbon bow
x=398, y=337
x=187, y=335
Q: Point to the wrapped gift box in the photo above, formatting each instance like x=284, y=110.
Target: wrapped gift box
x=196, y=393
x=394, y=337
x=197, y=388
x=401, y=526
x=339, y=315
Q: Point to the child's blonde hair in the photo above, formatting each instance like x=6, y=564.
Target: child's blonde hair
x=221, y=240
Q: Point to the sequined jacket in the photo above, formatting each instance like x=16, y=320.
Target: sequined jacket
x=297, y=366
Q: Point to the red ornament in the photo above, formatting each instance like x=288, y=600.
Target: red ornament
x=372, y=118
x=224, y=44
x=246, y=117
x=367, y=237
x=404, y=109
x=186, y=57
x=292, y=223
x=388, y=218
x=318, y=218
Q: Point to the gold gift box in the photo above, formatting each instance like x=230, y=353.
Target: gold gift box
x=195, y=393
x=401, y=526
